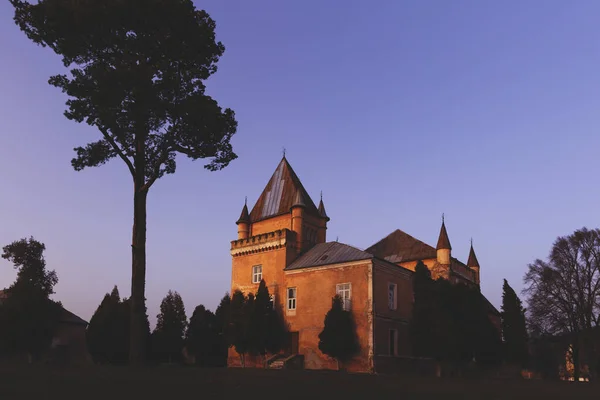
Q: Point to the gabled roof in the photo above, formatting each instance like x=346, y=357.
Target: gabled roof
x=443, y=240
x=280, y=194
x=66, y=316
x=329, y=253
x=399, y=246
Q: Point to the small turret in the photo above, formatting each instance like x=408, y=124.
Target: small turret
x=322, y=233
x=243, y=222
x=322, y=211
x=473, y=263
x=297, y=209
x=443, y=246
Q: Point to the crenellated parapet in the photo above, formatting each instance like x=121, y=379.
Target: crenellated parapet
x=264, y=242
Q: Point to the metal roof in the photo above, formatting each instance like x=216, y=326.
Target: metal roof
x=329, y=253
x=280, y=194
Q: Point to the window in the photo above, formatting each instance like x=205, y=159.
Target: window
x=393, y=344
x=344, y=290
x=392, y=293
x=291, y=298
x=272, y=300
x=256, y=274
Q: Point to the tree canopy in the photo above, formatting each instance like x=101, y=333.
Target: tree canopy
x=137, y=72
x=564, y=293
x=28, y=316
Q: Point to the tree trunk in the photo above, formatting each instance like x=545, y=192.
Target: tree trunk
x=138, y=276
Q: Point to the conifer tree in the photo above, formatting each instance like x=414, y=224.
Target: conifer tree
x=201, y=338
x=338, y=338
x=514, y=329
x=222, y=322
x=267, y=330
x=170, y=327
x=237, y=324
x=422, y=324
x=99, y=333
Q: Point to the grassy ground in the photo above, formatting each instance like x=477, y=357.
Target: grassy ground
x=165, y=383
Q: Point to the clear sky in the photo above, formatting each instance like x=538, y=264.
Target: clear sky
x=399, y=111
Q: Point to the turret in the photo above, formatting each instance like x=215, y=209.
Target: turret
x=323, y=228
x=473, y=263
x=298, y=208
x=243, y=222
x=443, y=246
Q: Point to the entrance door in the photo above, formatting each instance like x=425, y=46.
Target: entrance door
x=293, y=340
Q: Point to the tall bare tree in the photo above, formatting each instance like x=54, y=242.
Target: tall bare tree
x=564, y=293
x=138, y=72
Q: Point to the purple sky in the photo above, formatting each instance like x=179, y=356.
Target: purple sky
x=487, y=111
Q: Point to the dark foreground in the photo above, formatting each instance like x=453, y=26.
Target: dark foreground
x=114, y=383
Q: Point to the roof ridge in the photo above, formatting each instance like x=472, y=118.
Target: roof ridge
x=352, y=246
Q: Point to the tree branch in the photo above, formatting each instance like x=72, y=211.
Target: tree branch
x=115, y=146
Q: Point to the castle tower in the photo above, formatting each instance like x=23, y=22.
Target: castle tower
x=283, y=223
x=322, y=234
x=297, y=210
x=443, y=247
x=473, y=263
x=243, y=223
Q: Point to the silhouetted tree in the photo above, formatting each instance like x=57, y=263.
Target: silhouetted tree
x=267, y=330
x=564, y=293
x=222, y=322
x=202, y=337
x=514, y=328
x=423, y=322
x=338, y=339
x=108, y=331
x=28, y=316
x=138, y=77
x=100, y=331
x=238, y=325
x=168, y=336
x=450, y=322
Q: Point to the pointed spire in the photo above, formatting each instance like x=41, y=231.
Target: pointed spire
x=472, y=261
x=443, y=240
x=299, y=200
x=244, y=216
x=322, y=211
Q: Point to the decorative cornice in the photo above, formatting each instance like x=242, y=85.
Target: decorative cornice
x=263, y=242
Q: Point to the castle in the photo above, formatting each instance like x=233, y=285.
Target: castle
x=283, y=241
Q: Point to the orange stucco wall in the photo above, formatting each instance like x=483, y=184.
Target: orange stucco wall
x=273, y=262
x=386, y=318
x=272, y=224
x=315, y=289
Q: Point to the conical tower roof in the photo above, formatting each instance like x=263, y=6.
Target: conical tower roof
x=322, y=208
x=443, y=240
x=281, y=194
x=472, y=261
x=244, y=217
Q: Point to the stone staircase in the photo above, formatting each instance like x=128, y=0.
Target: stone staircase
x=286, y=361
x=277, y=362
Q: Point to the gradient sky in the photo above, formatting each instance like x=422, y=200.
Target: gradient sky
x=399, y=111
